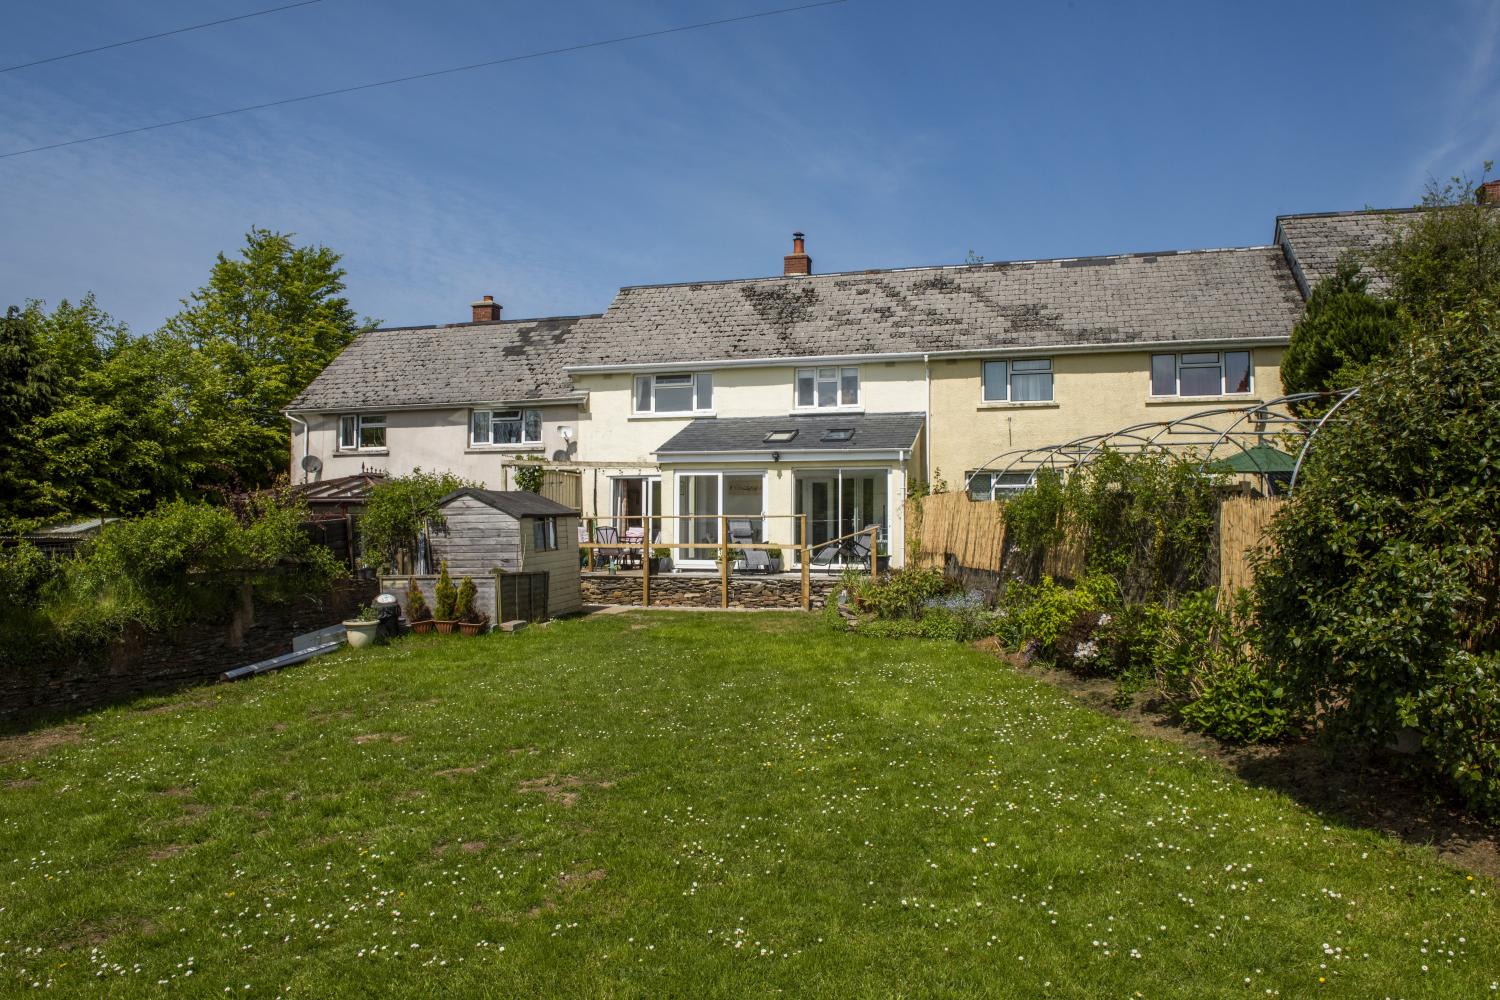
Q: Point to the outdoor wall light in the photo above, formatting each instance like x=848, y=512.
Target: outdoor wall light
x=775, y=456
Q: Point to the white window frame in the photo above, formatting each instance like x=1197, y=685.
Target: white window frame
x=544, y=534
x=818, y=377
x=993, y=490
x=1011, y=372
x=1220, y=362
x=523, y=416
x=359, y=422
x=699, y=384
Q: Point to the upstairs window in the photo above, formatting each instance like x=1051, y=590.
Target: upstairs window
x=676, y=393
x=362, y=432
x=543, y=534
x=819, y=388
x=503, y=427
x=1201, y=373
x=1021, y=380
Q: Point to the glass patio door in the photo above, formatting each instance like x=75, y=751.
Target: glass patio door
x=698, y=522
x=637, y=497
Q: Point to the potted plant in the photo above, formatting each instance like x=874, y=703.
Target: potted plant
x=418, y=614
x=775, y=556
x=360, y=630
x=445, y=613
x=469, y=618
x=661, y=559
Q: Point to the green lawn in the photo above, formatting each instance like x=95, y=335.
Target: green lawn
x=689, y=805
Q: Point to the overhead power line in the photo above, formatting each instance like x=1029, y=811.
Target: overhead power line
x=160, y=34
x=428, y=75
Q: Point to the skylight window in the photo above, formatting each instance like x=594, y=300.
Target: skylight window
x=839, y=434
x=780, y=437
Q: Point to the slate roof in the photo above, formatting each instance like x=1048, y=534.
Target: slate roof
x=516, y=503
x=1314, y=243
x=463, y=363
x=872, y=432
x=1132, y=298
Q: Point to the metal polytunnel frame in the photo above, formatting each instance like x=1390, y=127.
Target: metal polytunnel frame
x=1201, y=434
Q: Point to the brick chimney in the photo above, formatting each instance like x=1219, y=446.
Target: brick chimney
x=1488, y=193
x=797, y=262
x=486, y=310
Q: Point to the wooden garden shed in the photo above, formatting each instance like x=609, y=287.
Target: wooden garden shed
x=515, y=537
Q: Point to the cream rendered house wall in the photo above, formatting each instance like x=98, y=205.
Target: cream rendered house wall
x=614, y=441
x=611, y=433
x=435, y=440
x=1093, y=393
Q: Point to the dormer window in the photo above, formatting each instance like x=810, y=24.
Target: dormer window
x=679, y=392
x=825, y=388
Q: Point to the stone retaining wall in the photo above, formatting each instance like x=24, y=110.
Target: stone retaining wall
x=672, y=591
x=137, y=663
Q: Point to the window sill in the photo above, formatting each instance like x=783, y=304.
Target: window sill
x=361, y=451
x=682, y=415
x=814, y=411
x=1233, y=397
x=1029, y=404
x=503, y=449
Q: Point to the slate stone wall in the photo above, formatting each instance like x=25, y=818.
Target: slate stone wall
x=136, y=663
x=672, y=591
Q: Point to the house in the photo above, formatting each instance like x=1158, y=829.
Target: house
x=818, y=397
x=474, y=398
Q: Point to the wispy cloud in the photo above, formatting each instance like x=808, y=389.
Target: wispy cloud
x=1470, y=127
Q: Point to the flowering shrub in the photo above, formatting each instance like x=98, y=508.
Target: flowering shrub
x=901, y=593
x=1040, y=613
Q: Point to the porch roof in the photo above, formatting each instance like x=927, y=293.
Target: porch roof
x=881, y=432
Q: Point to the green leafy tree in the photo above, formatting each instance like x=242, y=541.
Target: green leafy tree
x=400, y=510
x=1442, y=260
x=27, y=392
x=1343, y=329
x=267, y=323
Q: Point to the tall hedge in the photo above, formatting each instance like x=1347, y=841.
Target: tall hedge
x=1381, y=602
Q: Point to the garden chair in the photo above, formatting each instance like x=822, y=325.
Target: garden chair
x=634, y=539
x=743, y=533
x=608, y=536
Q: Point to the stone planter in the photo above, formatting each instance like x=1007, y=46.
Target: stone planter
x=361, y=633
x=445, y=628
x=422, y=627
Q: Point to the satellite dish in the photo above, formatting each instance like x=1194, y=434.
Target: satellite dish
x=312, y=464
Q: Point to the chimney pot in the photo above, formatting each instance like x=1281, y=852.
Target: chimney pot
x=486, y=310
x=797, y=262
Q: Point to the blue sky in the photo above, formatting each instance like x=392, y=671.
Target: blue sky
x=893, y=133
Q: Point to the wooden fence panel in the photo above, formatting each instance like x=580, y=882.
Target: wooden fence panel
x=951, y=526
x=563, y=486
x=1243, y=525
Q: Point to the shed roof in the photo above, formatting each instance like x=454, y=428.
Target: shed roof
x=516, y=503
x=512, y=361
x=871, y=432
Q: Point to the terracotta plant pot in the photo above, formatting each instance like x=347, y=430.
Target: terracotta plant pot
x=471, y=628
x=422, y=627
x=444, y=628
x=360, y=633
